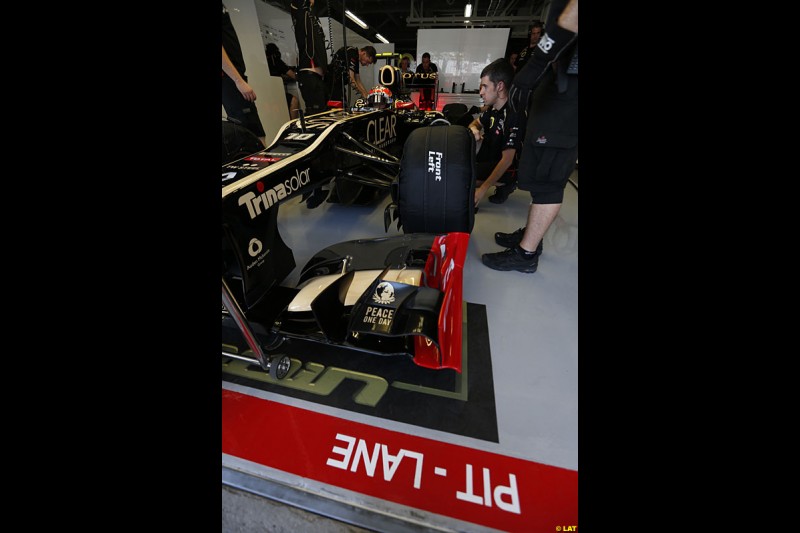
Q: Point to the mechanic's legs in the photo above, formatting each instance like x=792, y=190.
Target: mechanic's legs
x=294, y=107
x=426, y=99
x=312, y=88
x=540, y=216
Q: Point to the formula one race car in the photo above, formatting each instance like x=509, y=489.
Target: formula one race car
x=388, y=296
x=355, y=152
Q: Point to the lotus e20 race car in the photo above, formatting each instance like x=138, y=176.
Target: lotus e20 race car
x=389, y=296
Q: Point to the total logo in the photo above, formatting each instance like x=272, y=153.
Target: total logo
x=256, y=203
x=262, y=159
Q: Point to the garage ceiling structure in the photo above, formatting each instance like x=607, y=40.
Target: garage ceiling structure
x=398, y=21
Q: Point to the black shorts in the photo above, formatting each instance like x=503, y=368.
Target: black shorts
x=240, y=109
x=313, y=90
x=544, y=172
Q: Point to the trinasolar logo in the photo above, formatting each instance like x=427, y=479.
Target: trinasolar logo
x=266, y=199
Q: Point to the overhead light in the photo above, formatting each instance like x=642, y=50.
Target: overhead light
x=356, y=19
x=381, y=38
x=468, y=10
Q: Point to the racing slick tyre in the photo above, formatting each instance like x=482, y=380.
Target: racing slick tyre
x=435, y=190
x=279, y=366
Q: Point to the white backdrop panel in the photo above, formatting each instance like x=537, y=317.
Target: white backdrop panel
x=461, y=54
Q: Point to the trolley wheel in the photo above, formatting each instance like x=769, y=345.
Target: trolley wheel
x=279, y=366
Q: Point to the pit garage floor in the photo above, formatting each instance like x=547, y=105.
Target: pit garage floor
x=301, y=471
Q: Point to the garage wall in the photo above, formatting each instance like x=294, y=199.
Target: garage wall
x=270, y=99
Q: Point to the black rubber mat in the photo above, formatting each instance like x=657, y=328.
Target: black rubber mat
x=392, y=388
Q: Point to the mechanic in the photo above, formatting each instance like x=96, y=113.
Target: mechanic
x=427, y=71
x=278, y=68
x=498, y=129
x=339, y=65
x=550, y=149
x=535, y=34
x=364, y=56
x=238, y=98
x=311, y=57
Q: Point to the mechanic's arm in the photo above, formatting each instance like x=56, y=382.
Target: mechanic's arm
x=569, y=17
x=555, y=39
x=355, y=82
x=476, y=128
x=227, y=67
x=505, y=161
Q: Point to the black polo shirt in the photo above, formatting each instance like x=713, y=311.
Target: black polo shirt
x=502, y=130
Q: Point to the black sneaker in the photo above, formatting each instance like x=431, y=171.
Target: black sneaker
x=512, y=259
x=501, y=194
x=509, y=240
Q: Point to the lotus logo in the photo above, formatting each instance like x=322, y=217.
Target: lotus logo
x=255, y=247
x=384, y=293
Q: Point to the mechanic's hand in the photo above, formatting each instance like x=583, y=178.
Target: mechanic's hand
x=477, y=133
x=480, y=192
x=518, y=98
x=247, y=92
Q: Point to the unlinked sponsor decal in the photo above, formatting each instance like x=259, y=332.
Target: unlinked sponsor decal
x=254, y=249
x=257, y=203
